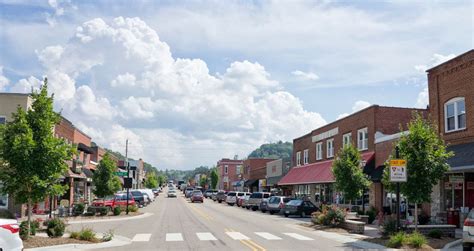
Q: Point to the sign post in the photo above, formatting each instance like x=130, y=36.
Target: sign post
x=398, y=173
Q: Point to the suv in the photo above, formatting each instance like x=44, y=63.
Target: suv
x=255, y=199
x=231, y=198
x=220, y=197
x=111, y=202
x=241, y=198
x=188, y=192
x=208, y=193
x=139, y=198
x=276, y=203
x=468, y=232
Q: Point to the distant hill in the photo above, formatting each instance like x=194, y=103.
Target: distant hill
x=273, y=150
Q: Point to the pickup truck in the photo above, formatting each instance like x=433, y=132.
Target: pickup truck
x=119, y=200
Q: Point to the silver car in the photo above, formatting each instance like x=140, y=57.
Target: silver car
x=468, y=232
x=276, y=203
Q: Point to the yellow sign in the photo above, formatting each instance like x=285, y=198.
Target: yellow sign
x=398, y=162
x=398, y=170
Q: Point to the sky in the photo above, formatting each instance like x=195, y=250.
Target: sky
x=191, y=82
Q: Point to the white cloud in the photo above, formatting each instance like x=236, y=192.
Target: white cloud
x=435, y=60
x=3, y=80
x=26, y=85
x=59, y=8
x=305, y=75
x=358, y=105
x=423, y=99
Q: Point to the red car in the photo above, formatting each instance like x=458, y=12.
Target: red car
x=197, y=196
x=119, y=200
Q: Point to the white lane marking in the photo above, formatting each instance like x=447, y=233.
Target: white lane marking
x=206, y=237
x=141, y=237
x=174, y=237
x=237, y=236
x=267, y=236
x=298, y=236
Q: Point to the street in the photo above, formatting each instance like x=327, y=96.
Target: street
x=177, y=224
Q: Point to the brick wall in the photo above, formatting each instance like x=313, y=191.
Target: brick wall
x=231, y=172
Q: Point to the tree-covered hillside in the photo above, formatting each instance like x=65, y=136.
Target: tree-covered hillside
x=273, y=150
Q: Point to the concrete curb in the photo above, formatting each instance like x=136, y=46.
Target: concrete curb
x=141, y=216
x=117, y=241
x=452, y=244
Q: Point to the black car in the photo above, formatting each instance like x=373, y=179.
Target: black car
x=139, y=198
x=299, y=207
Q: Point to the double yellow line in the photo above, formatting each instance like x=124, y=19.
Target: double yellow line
x=249, y=243
x=198, y=211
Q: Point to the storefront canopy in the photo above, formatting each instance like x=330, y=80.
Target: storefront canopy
x=84, y=148
x=237, y=183
x=250, y=183
x=319, y=172
x=463, y=158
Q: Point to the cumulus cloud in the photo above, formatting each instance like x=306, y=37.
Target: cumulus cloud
x=26, y=85
x=423, y=99
x=166, y=105
x=358, y=105
x=58, y=7
x=3, y=80
x=305, y=75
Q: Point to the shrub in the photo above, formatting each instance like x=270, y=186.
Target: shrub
x=133, y=208
x=416, y=240
x=117, y=211
x=87, y=234
x=389, y=227
x=372, y=213
x=329, y=216
x=435, y=233
x=397, y=240
x=55, y=228
x=24, y=228
x=78, y=209
x=88, y=213
x=103, y=211
x=75, y=235
x=108, y=236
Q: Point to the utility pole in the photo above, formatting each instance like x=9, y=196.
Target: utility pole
x=397, y=156
x=128, y=172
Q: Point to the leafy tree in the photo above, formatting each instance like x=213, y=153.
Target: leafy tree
x=214, y=178
x=426, y=156
x=34, y=158
x=350, y=178
x=161, y=179
x=203, y=181
x=151, y=181
x=116, y=183
x=104, y=177
x=273, y=150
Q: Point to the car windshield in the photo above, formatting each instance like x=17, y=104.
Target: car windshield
x=256, y=196
x=266, y=195
x=231, y=194
x=294, y=202
x=172, y=191
x=197, y=192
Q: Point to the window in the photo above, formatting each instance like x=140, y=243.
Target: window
x=305, y=156
x=363, y=139
x=330, y=148
x=347, y=139
x=238, y=169
x=455, y=115
x=319, y=151
x=3, y=120
x=225, y=169
x=298, y=158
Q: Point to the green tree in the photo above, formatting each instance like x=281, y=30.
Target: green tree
x=116, y=183
x=161, y=179
x=426, y=156
x=34, y=158
x=104, y=178
x=347, y=170
x=151, y=181
x=277, y=150
x=214, y=178
x=203, y=181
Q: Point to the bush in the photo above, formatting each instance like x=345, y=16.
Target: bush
x=435, y=233
x=55, y=228
x=78, y=209
x=103, y=211
x=133, y=208
x=117, y=211
x=88, y=213
x=24, y=229
x=389, y=227
x=397, y=240
x=372, y=213
x=87, y=234
x=108, y=236
x=416, y=240
x=332, y=216
x=75, y=235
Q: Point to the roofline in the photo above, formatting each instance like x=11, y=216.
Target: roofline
x=449, y=61
x=15, y=93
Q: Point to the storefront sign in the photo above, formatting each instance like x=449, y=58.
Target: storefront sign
x=398, y=170
x=456, y=178
x=325, y=135
x=262, y=183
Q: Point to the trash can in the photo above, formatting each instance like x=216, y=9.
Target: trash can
x=453, y=217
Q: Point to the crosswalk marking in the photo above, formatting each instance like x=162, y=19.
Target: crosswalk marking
x=174, y=237
x=298, y=236
x=141, y=237
x=237, y=236
x=206, y=237
x=267, y=236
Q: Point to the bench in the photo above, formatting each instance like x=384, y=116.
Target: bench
x=354, y=226
x=447, y=230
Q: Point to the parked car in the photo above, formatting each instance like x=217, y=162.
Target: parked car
x=263, y=205
x=241, y=198
x=139, y=198
x=118, y=200
x=468, y=232
x=149, y=193
x=156, y=191
x=172, y=194
x=208, y=193
x=255, y=199
x=188, y=192
x=10, y=235
x=231, y=198
x=276, y=203
x=220, y=196
x=299, y=207
x=197, y=196
x=245, y=201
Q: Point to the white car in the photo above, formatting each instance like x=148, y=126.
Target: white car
x=172, y=193
x=149, y=193
x=10, y=235
x=231, y=198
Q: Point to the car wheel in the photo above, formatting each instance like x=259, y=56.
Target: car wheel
x=286, y=215
x=271, y=212
x=254, y=209
x=264, y=211
x=220, y=201
x=466, y=247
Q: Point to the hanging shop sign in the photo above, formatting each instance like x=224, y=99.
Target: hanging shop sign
x=398, y=170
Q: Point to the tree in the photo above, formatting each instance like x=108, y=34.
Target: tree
x=34, y=158
x=203, y=181
x=350, y=178
x=426, y=156
x=151, y=181
x=104, y=178
x=273, y=150
x=161, y=179
x=214, y=178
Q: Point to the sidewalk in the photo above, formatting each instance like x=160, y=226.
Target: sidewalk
x=79, y=219
x=117, y=241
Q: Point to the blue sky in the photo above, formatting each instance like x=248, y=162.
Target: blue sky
x=190, y=82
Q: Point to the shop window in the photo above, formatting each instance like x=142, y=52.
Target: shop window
x=226, y=167
x=319, y=151
x=330, y=148
x=455, y=115
x=362, y=139
x=305, y=157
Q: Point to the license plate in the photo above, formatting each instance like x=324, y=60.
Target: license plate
x=287, y=212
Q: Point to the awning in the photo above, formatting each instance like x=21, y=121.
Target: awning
x=463, y=158
x=250, y=183
x=237, y=183
x=84, y=148
x=320, y=172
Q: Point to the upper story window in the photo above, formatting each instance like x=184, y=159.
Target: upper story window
x=3, y=120
x=298, y=158
x=363, y=139
x=305, y=157
x=238, y=169
x=225, y=169
x=347, y=139
x=330, y=148
x=455, y=115
x=319, y=151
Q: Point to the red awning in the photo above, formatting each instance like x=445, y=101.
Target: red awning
x=320, y=172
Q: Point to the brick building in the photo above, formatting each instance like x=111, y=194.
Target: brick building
x=451, y=107
x=314, y=152
x=230, y=174
x=255, y=171
x=275, y=170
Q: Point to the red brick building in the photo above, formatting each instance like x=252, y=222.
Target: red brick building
x=451, y=107
x=255, y=171
x=230, y=174
x=314, y=152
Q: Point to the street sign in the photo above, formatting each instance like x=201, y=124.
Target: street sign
x=398, y=170
x=121, y=174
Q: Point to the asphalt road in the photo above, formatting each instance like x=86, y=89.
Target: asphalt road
x=177, y=224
